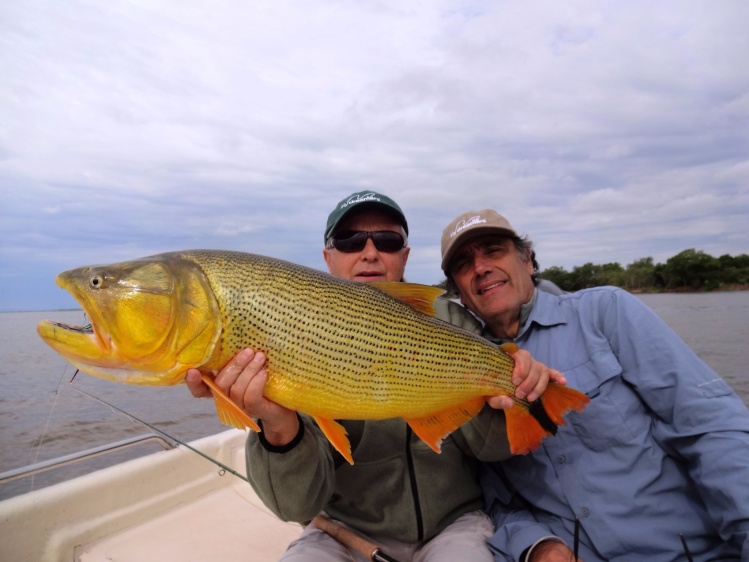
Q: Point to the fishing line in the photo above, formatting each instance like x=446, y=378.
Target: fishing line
x=221, y=465
x=54, y=405
x=49, y=416
x=45, y=430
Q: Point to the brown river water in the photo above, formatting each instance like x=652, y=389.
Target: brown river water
x=42, y=416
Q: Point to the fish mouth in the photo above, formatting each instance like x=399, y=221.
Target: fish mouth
x=75, y=343
x=87, y=329
x=81, y=345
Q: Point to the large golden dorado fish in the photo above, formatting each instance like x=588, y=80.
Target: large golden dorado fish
x=335, y=349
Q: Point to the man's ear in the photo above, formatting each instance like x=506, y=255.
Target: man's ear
x=529, y=261
x=326, y=257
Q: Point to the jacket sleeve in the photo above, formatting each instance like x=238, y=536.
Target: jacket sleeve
x=295, y=482
x=457, y=315
x=485, y=436
x=697, y=416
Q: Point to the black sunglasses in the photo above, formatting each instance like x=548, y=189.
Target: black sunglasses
x=355, y=240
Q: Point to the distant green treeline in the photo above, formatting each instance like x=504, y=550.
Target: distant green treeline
x=690, y=270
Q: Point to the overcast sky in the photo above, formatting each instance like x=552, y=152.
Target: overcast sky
x=607, y=131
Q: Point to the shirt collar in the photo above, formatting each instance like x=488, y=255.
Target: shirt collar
x=542, y=309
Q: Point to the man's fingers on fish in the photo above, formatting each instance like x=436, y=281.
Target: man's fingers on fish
x=238, y=389
x=195, y=384
x=253, y=400
x=233, y=369
x=257, y=363
x=501, y=402
x=242, y=382
x=557, y=376
x=545, y=375
x=525, y=374
x=522, y=368
x=543, y=382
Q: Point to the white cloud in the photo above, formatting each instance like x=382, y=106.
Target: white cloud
x=607, y=131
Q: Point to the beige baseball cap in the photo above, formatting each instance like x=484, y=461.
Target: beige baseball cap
x=469, y=225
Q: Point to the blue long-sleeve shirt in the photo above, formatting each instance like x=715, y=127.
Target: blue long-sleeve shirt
x=662, y=448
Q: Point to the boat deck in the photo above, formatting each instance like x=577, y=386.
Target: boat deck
x=171, y=505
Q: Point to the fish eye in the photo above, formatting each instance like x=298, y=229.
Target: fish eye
x=96, y=281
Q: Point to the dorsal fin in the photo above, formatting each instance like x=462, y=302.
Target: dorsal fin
x=419, y=297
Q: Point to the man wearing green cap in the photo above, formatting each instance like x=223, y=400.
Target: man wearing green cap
x=412, y=502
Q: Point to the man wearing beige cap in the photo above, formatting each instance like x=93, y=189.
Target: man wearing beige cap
x=655, y=469
x=415, y=504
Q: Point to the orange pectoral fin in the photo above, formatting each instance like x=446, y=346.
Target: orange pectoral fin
x=336, y=434
x=433, y=429
x=228, y=412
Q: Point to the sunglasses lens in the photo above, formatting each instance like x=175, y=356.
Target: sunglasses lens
x=387, y=241
x=384, y=241
x=350, y=241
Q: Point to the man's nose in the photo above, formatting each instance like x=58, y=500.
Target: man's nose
x=481, y=264
x=369, y=251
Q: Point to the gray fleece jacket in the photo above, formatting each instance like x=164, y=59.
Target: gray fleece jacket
x=398, y=487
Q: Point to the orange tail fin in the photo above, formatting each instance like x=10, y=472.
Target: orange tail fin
x=558, y=400
x=527, y=426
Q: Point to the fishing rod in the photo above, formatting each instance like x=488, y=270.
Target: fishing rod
x=351, y=540
x=165, y=434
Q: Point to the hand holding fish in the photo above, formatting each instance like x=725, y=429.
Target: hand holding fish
x=243, y=380
x=530, y=377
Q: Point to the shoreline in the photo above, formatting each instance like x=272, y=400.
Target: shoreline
x=726, y=289
x=684, y=290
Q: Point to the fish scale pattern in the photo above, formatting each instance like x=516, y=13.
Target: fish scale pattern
x=340, y=349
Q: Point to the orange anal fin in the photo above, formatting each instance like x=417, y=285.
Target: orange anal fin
x=433, y=429
x=509, y=347
x=228, y=412
x=337, y=435
x=419, y=297
x=558, y=400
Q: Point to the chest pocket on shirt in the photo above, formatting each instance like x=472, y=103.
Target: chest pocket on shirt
x=611, y=418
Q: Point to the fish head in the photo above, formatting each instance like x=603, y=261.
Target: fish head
x=151, y=320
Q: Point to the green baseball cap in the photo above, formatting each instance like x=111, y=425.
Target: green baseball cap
x=363, y=200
